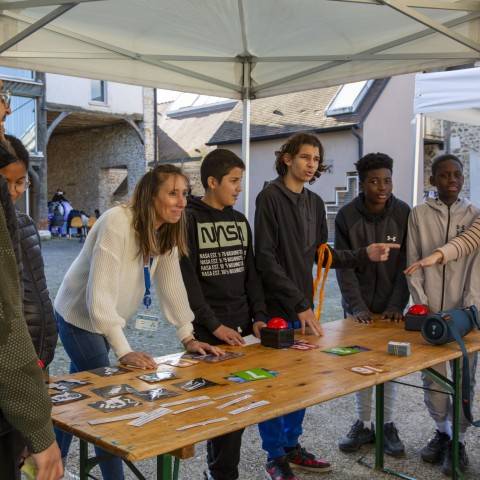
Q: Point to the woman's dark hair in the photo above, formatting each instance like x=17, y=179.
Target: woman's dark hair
x=292, y=147
x=19, y=149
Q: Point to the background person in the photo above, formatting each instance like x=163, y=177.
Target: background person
x=25, y=405
x=375, y=215
x=105, y=284
x=37, y=306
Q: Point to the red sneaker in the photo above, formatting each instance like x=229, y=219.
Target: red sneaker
x=300, y=458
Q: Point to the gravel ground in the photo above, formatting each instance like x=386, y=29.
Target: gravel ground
x=324, y=424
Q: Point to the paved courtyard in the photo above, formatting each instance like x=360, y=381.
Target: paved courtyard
x=324, y=424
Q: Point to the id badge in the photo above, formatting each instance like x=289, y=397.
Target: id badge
x=146, y=322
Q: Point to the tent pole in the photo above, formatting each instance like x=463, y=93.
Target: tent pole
x=418, y=158
x=246, y=134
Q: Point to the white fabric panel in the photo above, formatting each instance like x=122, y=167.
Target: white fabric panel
x=453, y=96
x=127, y=40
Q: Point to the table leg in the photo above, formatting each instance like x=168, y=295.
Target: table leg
x=379, y=413
x=167, y=465
x=456, y=400
x=379, y=447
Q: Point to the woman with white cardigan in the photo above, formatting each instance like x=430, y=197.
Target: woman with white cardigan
x=110, y=278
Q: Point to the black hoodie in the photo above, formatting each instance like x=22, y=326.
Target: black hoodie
x=375, y=287
x=224, y=288
x=289, y=227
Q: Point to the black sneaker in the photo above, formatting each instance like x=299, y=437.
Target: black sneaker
x=434, y=450
x=392, y=444
x=279, y=469
x=448, y=461
x=356, y=437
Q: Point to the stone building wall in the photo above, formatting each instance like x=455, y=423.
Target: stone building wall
x=88, y=166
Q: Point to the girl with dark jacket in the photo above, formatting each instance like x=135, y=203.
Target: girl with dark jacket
x=38, y=309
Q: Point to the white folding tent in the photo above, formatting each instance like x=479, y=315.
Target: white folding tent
x=453, y=96
x=242, y=49
x=237, y=48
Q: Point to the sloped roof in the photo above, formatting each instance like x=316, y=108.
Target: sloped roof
x=183, y=138
x=284, y=115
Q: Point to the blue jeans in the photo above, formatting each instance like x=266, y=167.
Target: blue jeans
x=87, y=351
x=281, y=432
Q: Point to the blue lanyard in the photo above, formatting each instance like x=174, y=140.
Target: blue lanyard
x=147, y=299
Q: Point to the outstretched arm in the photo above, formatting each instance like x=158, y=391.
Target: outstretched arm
x=435, y=257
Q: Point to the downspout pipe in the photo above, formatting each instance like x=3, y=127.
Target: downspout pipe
x=360, y=141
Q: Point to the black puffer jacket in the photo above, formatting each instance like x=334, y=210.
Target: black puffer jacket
x=38, y=309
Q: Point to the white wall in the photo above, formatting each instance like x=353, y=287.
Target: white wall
x=76, y=91
x=389, y=129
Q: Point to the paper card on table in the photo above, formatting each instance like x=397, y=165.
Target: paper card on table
x=210, y=358
x=67, y=384
x=254, y=374
x=158, y=377
x=67, y=396
x=155, y=394
x=195, y=384
x=303, y=345
x=250, y=340
x=113, y=390
x=341, y=351
x=369, y=369
x=235, y=379
x=116, y=403
x=109, y=371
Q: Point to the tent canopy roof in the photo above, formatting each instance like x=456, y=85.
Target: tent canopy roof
x=238, y=48
x=453, y=96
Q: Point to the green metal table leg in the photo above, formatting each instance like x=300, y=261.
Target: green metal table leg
x=379, y=391
x=456, y=472
x=167, y=467
x=83, y=459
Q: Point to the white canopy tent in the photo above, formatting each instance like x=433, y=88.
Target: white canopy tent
x=242, y=49
x=452, y=96
x=237, y=48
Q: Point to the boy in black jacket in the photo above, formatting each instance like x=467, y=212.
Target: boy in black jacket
x=376, y=288
x=290, y=225
x=224, y=289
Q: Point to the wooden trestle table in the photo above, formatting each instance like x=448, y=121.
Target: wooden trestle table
x=306, y=378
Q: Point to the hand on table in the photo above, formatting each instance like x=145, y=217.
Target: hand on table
x=392, y=315
x=435, y=257
x=307, y=318
x=140, y=360
x=363, y=317
x=195, y=346
x=378, y=252
x=228, y=335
